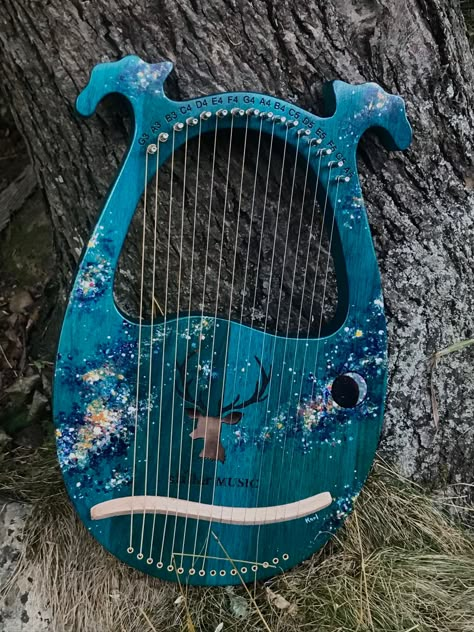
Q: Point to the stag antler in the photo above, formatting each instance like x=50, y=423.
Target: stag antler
x=187, y=395
x=260, y=388
x=209, y=427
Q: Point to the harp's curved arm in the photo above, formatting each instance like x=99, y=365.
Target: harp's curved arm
x=212, y=513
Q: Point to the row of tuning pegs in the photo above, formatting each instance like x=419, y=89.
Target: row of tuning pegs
x=274, y=119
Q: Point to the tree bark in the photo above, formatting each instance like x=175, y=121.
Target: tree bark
x=420, y=203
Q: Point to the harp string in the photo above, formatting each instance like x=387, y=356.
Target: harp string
x=183, y=206
x=265, y=199
x=270, y=280
x=247, y=256
x=321, y=318
x=150, y=362
x=165, y=317
x=300, y=224
x=291, y=368
x=153, y=526
x=140, y=323
x=221, y=250
x=305, y=278
x=236, y=240
x=203, y=297
x=280, y=188
x=196, y=191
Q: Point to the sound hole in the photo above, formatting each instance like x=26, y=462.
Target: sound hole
x=348, y=390
x=260, y=256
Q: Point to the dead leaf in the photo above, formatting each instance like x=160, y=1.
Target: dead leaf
x=10, y=334
x=33, y=318
x=238, y=604
x=4, y=438
x=280, y=602
x=13, y=319
x=37, y=407
x=179, y=600
x=219, y=627
x=20, y=302
x=23, y=388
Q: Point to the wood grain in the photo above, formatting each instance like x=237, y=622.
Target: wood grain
x=212, y=513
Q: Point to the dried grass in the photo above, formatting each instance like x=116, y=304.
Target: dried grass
x=399, y=565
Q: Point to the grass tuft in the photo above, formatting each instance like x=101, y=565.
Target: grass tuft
x=399, y=565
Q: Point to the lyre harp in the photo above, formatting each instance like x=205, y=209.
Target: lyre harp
x=231, y=418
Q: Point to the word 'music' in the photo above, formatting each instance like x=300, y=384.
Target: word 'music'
x=219, y=481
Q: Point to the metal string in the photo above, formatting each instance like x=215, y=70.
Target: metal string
x=176, y=341
x=152, y=537
x=263, y=219
x=165, y=322
x=150, y=364
x=211, y=191
x=239, y=207
x=326, y=201
x=300, y=225
x=280, y=293
x=333, y=219
x=308, y=251
x=215, y=322
x=140, y=324
x=273, y=249
x=196, y=190
x=247, y=257
x=292, y=367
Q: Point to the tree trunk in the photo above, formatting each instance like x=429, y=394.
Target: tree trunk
x=421, y=203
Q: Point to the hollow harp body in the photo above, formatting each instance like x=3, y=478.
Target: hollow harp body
x=224, y=433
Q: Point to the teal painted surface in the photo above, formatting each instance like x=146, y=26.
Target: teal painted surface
x=296, y=442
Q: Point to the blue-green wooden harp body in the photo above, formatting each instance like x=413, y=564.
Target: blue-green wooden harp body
x=196, y=442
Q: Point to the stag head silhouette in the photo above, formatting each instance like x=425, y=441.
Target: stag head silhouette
x=208, y=427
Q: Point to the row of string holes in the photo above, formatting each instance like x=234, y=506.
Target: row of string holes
x=213, y=573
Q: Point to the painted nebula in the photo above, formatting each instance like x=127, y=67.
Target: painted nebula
x=105, y=412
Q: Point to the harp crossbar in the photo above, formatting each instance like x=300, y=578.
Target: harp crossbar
x=212, y=513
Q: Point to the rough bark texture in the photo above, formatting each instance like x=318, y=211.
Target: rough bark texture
x=421, y=204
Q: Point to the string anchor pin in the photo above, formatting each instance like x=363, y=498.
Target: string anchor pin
x=292, y=123
x=324, y=152
x=303, y=132
x=151, y=149
x=252, y=112
x=222, y=113
x=335, y=163
x=191, y=121
x=343, y=179
x=163, y=137
x=205, y=116
x=178, y=127
x=315, y=141
x=237, y=112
